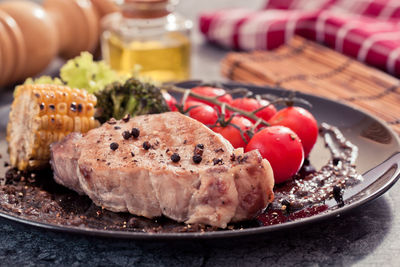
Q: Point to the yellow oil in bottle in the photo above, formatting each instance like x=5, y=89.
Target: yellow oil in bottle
x=165, y=60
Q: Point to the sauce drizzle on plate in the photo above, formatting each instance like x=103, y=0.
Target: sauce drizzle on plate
x=36, y=197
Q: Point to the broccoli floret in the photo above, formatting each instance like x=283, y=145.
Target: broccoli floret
x=132, y=97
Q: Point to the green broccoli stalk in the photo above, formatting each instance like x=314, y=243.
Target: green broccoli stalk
x=132, y=97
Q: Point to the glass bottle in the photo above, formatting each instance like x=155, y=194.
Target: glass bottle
x=148, y=34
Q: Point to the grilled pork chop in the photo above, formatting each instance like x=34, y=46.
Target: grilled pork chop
x=176, y=167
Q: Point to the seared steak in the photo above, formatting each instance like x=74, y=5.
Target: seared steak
x=176, y=167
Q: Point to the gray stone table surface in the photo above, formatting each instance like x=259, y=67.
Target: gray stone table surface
x=368, y=236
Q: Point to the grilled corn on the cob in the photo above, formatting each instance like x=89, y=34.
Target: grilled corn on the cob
x=43, y=114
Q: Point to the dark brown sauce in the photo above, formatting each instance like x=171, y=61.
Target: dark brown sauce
x=36, y=197
x=306, y=193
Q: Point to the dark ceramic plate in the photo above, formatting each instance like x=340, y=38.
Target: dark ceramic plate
x=378, y=161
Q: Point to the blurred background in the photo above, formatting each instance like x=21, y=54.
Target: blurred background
x=209, y=54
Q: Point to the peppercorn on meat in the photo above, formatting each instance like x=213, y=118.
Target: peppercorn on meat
x=43, y=114
x=165, y=164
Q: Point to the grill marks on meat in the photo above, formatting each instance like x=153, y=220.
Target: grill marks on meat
x=150, y=184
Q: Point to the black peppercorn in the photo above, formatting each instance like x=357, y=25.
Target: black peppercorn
x=217, y=161
x=132, y=154
x=146, y=145
x=112, y=121
x=338, y=195
x=197, y=159
x=126, y=118
x=73, y=106
x=135, y=132
x=175, y=157
x=336, y=161
x=126, y=135
x=114, y=146
x=199, y=149
x=201, y=146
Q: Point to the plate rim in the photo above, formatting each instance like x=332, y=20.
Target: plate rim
x=239, y=232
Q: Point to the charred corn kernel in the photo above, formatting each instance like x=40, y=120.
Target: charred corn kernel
x=44, y=114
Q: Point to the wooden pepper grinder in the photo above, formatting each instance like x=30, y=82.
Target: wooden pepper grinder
x=31, y=35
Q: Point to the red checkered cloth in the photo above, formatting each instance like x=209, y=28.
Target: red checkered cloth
x=368, y=30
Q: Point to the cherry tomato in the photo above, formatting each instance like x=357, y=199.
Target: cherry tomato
x=170, y=100
x=282, y=148
x=203, y=113
x=251, y=104
x=301, y=122
x=232, y=134
x=211, y=92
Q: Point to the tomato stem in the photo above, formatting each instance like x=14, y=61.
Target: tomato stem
x=240, y=131
x=242, y=91
x=215, y=101
x=184, y=98
x=223, y=111
x=255, y=125
x=261, y=108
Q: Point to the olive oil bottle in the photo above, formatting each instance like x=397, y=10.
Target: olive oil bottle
x=147, y=37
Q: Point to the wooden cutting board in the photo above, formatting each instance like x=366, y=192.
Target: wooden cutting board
x=306, y=66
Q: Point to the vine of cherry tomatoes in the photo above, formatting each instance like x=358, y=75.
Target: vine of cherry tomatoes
x=292, y=133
